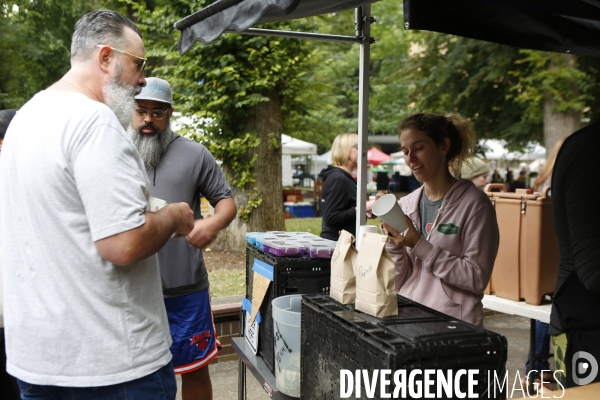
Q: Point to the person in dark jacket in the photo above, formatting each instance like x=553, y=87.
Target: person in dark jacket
x=339, y=188
x=575, y=316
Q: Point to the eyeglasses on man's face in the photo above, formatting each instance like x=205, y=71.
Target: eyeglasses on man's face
x=156, y=113
x=140, y=65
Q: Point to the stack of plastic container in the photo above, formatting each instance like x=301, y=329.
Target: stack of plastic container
x=291, y=244
x=301, y=264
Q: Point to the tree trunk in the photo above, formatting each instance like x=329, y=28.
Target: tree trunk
x=267, y=122
x=234, y=236
x=558, y=124
x=265, y=119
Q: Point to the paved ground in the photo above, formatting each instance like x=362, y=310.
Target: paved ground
x=516, y=330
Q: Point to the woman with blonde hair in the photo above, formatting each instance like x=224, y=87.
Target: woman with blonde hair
x=544, y=178
x=444, y=259
x=339, y=188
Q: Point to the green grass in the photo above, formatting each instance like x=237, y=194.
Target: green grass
x=313, y=225
x=227, y=282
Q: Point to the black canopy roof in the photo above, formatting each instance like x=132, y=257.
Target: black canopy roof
x=563, y=26
x=209, y=23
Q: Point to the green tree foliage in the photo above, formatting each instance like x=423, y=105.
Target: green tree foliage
x=502, y=89
x=223, y=80
x=35, y=43
x=389, y=87
x=34, y=47
x=554, y=75
x=473, y=78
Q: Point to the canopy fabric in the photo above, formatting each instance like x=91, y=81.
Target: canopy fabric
x=293, y=146
x=376, y=156
x=209, y=23
x=563, y=26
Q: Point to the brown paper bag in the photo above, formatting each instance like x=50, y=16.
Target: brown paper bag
x=343, y=283
x=374, y=269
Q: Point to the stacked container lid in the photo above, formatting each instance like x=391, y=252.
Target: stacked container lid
x=291, y=244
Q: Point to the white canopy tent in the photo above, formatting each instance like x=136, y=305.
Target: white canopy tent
x=293, y=147
x=319, y=162
x=497, y=151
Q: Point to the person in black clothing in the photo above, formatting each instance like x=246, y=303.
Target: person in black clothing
x=339, y=188
x=5, y=117
x=575, y=316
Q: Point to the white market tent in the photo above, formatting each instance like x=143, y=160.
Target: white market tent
x=497, y=151
x=319, y=162
x=293, y=147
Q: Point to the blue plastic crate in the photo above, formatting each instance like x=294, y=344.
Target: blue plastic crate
x=301, y=211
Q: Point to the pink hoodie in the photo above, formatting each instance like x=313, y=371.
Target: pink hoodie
x=449, y=270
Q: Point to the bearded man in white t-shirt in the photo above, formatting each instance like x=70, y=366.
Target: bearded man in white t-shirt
x=84, y=314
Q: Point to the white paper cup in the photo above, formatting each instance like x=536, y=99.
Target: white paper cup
x=388, y=210
x=362, y=230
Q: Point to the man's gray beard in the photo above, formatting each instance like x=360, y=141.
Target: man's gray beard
x=120, y=97
x=151, y=147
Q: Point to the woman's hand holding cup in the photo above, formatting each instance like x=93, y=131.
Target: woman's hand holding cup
x=409, y=239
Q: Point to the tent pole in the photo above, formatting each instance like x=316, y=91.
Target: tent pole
x=297, y=35
x=363, y=23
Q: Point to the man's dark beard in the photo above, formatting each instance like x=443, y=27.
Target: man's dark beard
x=151, y=147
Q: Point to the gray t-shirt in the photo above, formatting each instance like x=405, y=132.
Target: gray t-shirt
x=186, y=170
x=69, y=176
x=428, y=210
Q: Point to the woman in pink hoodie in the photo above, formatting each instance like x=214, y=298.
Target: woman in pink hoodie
x=444, y=259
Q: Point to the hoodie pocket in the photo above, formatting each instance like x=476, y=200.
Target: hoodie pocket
x=447, y=305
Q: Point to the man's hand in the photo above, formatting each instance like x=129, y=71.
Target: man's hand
x=203, y=234
x=409, y=240
x=206, y=230
x=184, y=218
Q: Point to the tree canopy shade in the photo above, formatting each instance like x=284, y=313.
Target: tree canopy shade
x=209, y=23
x=563, y=26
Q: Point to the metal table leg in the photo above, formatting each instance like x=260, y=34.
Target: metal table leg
x=241, y=380
x=532, y=345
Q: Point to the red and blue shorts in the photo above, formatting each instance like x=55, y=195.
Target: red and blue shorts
x=195, y=341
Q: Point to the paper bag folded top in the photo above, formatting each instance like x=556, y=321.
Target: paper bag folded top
x=343, y=283
x=374, y=269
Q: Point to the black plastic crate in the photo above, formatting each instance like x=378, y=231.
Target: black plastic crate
x=298, y=275
x=335, y=337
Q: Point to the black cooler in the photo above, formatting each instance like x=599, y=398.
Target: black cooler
x=335, y=337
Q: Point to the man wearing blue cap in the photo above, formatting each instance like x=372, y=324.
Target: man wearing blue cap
x=182, y=171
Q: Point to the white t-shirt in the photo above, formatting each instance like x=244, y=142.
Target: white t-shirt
x=69, y=176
